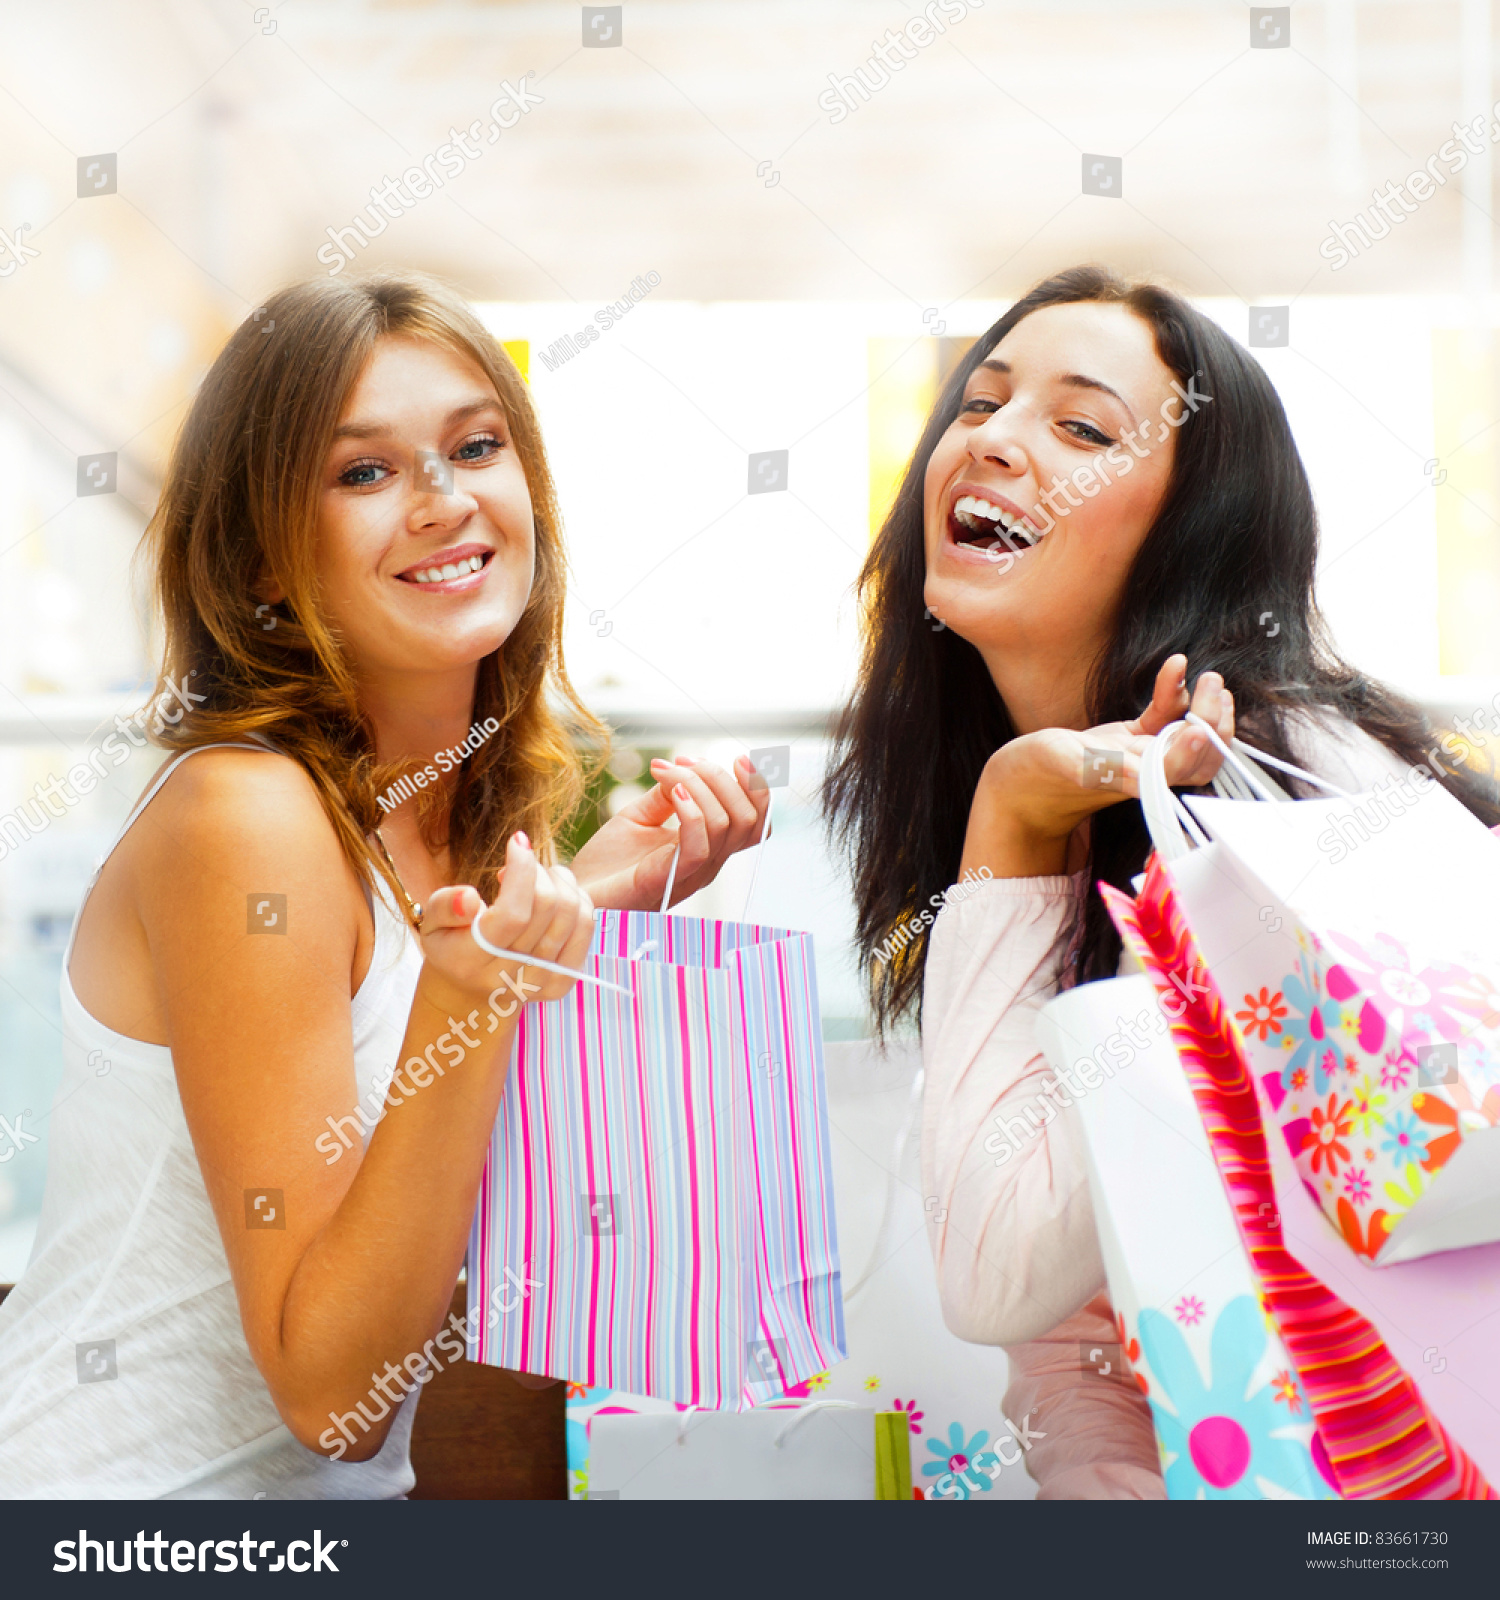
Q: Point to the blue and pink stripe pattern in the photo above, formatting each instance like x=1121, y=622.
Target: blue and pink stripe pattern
x=657, y=1209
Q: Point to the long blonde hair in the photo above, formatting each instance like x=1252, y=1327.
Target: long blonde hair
x=239, y=506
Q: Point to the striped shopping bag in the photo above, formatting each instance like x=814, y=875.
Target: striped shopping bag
x=656, y=1214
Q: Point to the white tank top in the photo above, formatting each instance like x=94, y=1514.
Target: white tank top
x=124, y=1371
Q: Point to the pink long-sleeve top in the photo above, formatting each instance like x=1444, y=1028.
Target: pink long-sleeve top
x=1017, y=1253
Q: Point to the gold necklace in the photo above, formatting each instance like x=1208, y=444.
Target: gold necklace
x=413, y=910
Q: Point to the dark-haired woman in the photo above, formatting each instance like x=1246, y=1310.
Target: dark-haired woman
x=1106, y=501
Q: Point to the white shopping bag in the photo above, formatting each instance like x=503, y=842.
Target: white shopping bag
x=821, y=1451
x=1355, y=943
x=901, y=1356
x=1230, y=1417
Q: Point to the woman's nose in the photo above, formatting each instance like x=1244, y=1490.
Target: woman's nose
x=437, y=496
x=997, y=441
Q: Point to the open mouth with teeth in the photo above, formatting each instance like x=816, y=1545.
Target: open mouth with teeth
x=448, y=571
x=981, y=523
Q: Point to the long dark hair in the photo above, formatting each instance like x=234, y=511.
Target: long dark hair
x=1235, y=538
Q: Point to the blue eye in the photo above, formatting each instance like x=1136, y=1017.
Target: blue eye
x=484, y=445
x=360, y=474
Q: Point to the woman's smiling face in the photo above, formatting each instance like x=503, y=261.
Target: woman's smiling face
x=426, y=539
x=1062, y=387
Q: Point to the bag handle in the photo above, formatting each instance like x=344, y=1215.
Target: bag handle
x=765, y=828
x=650, y=944
x=547, y=966
x=803, y=1412
x=1170, y=822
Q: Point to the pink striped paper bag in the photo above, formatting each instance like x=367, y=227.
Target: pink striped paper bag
x=657, y=1211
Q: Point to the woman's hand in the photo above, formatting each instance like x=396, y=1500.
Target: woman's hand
x=1038, y=788
x=539, y=911
x=627, y=862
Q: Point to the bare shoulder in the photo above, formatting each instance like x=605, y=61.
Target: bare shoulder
x=227, y=793
x=231, y=820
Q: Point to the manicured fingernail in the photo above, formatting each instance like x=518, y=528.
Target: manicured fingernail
x=522, y=840
x=687, y=761
x=681, y=792
x=743, y=763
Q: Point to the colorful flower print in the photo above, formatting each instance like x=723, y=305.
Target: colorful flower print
x=1262, y=1014
x=1298, y=1131
x=912, y=1414
x=1439, y=1114
x=1404, y=1192
x=1479, y=1063
x=1488, y=1109
x=872, y=1383
x=1307, y=1026
x=1366, y=1106
x=808, y=1387
x=1397, y=1069
x=978, y=1476
x=1285, y=1391
x=1364, y=1238
x=1411, y=1004
x=953, y=1455
x=1357, y=1186
x=1405, y=1143
x=1219, y=1440
x=1328, y=1128
x=1189, y=1311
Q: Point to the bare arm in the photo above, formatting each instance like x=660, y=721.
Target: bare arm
x=361, y=1275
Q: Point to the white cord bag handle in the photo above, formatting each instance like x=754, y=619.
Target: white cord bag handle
x=1174, y=829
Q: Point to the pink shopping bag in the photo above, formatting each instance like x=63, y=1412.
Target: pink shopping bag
x=657, y=1211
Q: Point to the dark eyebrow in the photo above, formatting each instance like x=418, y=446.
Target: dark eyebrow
x=377, y=430
x=1073, y=380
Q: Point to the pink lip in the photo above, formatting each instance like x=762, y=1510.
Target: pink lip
x=441, y=558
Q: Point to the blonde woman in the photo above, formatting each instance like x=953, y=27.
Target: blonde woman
x=358, y=564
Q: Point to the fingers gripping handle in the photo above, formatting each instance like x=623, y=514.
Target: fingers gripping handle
x=765, y=828
x=1170, y=823
x=547, y=966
